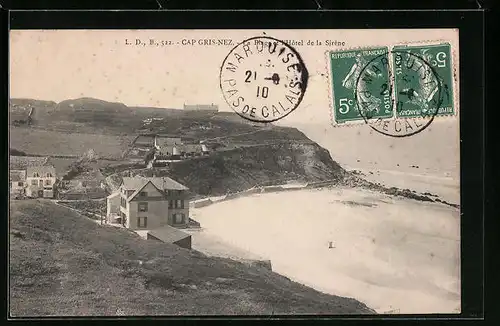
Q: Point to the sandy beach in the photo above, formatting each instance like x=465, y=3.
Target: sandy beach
x=393, y=254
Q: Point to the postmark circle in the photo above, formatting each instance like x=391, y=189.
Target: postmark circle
x=414, y=89
x=263, y=79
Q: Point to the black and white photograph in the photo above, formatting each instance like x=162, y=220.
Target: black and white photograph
x=198, y=172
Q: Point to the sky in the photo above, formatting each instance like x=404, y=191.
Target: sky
x=66, y=64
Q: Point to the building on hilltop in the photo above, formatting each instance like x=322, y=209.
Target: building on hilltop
x=32, y=176
x=40, y=181
x=209, y=108
x=148, y=203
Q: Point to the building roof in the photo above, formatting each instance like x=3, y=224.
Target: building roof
x=168, y=141
x=41, y=169
x=191, y=148
x=201, y=107
x=133, y=183
x=138, y=182
x=168, y=234
x=17, y=175
x=23, y=162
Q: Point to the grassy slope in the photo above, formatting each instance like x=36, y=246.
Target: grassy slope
x=90, y=115
x=72, y=127
x=243, y=168
x=56, y=269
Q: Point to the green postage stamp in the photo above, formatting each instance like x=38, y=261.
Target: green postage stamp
x=398, y=90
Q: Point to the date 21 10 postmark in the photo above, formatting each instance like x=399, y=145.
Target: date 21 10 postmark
x=398, y=91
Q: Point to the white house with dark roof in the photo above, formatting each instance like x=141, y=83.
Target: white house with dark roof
x=40, y=181
x=149, y=203
x=17, y=182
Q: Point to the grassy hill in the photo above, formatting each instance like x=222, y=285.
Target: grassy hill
x=89, y=115
x=244, y=168
x=250, y=154
x=55, y=269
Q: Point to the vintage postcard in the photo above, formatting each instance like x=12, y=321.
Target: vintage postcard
x=234, y=172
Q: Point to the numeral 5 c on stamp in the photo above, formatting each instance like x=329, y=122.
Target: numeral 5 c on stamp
x=393, y=89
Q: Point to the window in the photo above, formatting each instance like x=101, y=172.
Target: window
x=179, y=203
x=143, y=207
x=143, y=194
x=123, y=202
x=19, y=184
x=170, y=204
x=178, y=218
x=167, y=192
x=40, y=183
x=36, y=175
x=34, y=182
x=47, y=182
x=142, y=222
x=49, y=175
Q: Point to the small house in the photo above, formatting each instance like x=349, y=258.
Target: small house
x=191, y=150
x=166, y=153
x=204, y=149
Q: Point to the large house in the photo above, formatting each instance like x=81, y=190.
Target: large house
x=40, y=181
x=149, y=203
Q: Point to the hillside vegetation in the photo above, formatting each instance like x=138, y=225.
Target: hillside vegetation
x=248, y=154
x=243, y=168
x=55, y=269
x=89, y=115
